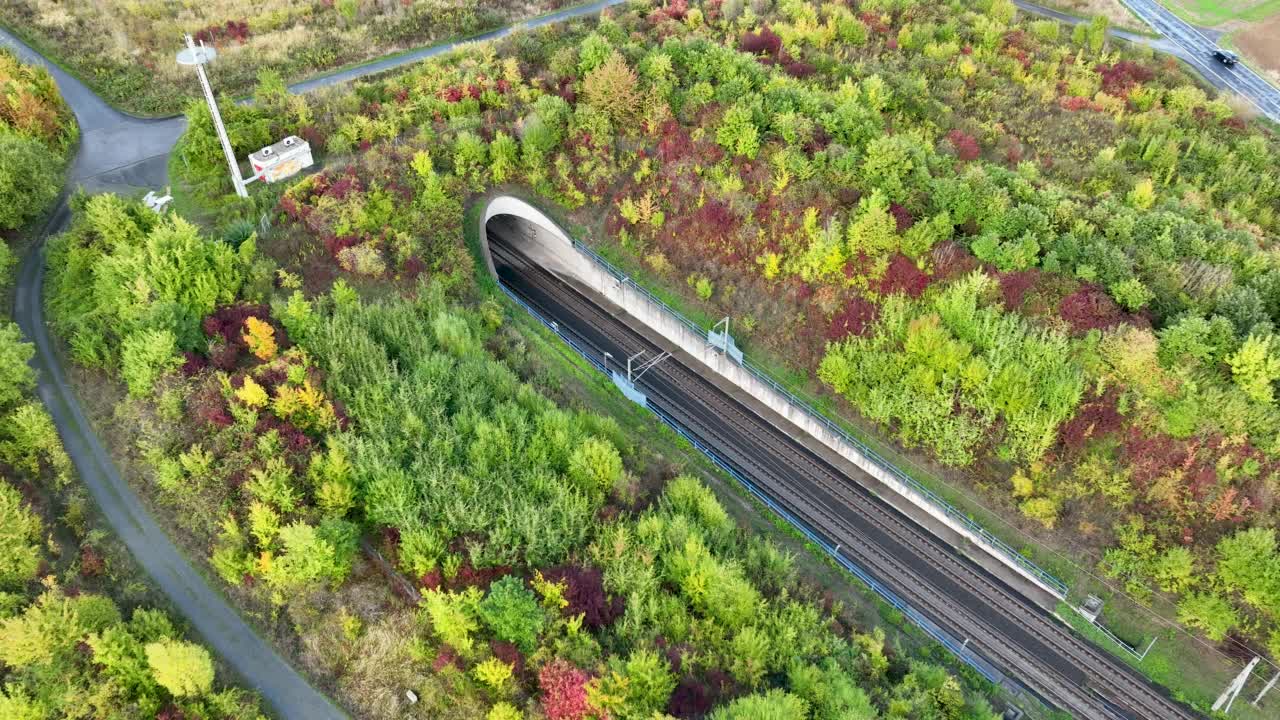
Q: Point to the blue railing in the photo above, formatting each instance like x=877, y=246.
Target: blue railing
x=817, y=415
x=929, y=627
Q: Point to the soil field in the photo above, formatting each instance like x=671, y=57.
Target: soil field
x=1260, y=45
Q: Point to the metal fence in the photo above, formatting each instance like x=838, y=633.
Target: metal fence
x=765, y=377
x=959, y=649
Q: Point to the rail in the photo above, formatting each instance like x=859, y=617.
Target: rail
x=765, y=377
x=939, y=635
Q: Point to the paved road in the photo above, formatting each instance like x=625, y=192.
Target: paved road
x=113, y=145
x=124, y=153
x=1186, y=42
x=1196, y=48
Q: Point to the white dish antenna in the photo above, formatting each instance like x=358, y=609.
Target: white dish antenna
x=198, y=55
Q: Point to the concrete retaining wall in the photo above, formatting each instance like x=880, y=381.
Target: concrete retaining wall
x=570, y=262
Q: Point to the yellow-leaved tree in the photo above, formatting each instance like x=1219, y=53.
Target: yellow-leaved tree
x=260, y=337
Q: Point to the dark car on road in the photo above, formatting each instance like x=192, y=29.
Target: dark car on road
x=1226, y=58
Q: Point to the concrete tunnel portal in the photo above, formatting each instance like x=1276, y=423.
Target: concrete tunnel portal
x=529, y=231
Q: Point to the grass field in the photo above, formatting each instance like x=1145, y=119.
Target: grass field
x=1216, y=12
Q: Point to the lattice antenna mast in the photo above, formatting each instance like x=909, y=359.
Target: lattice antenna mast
x=197, y=56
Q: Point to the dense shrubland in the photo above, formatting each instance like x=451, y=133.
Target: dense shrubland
x=66, y=648
x=554, y=580
x=37, y=133
x=1046, y=260
x=125, y=50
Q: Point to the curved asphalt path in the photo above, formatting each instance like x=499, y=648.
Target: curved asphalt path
x=124, y=153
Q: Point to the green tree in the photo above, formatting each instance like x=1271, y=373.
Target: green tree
x=738, y=133
x=894, y=164
x=1254, y=367
x=453, y=617
x=831, y=692
x=504, y=711
x=595, y=465
x=493, y=673
x=928, y=691
x=1097, y=33
x=593, y=52
x=873, y=232
x=146, y=356
x=123, y=658
x=19, y=538
x=1131, y=294
x=7, y=263
x=750, y=652
x=612, y=88
x=637, y=689
x=309, y=556
x=28, y=437
x=470, y=158
x=1248, y=562
x=297, y=316
x=512, y=612
x=1208, y=612
x=46, y=633
x=30, y=178
x=184, y=669
x=773, y=705
x=16, y=377
x=1174, y=570
x=1193, y=338
x=503, y=154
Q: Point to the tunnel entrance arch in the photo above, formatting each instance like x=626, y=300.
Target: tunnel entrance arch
x=528, y=230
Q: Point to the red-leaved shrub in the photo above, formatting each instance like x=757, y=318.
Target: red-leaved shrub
x=444, y=658
x=584, y=589
x=1094, y=418
x=765, y=42
x=564, y=692
x=509, y=654
x=901, y=216
x=1121, y=77
x=1090, y=308
x=1015, y=285
x=799, y=69
x=857, y=315
x=903, y=276
x=691, y=699
x=966, y=145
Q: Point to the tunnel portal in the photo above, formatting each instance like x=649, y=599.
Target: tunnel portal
x=528, y=231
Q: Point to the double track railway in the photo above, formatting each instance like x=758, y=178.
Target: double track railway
x=953, y=592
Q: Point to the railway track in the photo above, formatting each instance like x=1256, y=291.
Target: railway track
x=995, y=623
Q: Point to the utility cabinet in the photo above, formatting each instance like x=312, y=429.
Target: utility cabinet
x=281, y=160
